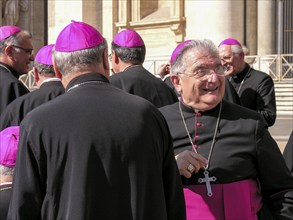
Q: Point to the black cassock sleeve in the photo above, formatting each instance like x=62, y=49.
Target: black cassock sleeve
x=275, y=180
x=28, y=187
x=288, y=153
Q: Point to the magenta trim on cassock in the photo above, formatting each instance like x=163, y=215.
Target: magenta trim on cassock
x=128, y=38
x=7, y=31
x=8, y=146
x=77, y=36
x=238, y=200
x=44, y=55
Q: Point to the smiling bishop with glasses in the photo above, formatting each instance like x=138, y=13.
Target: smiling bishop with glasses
x=224, y=152
x=16, y=54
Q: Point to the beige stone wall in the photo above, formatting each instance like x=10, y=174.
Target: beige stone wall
x=29, y=16
x=60, y=15
x=162, y=23
x=215, y=20
x=266, y=23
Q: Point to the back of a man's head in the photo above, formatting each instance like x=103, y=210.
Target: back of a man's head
x=78, y=46
x=8, y=150
x=129, y=47
x=43, y=61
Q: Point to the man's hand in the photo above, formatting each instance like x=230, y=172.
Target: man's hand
x=189, y=162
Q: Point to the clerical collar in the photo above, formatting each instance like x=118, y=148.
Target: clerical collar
x=86, y=78
x=189, y=109
x=50, y=80
x=242, y=74
x=10, y=69
x=129, y=67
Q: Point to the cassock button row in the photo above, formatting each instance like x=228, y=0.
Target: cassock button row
x=195, y=146
x=199, y=124
x=198, y=114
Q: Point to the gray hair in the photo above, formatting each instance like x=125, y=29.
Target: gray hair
x=68, y=62
x=134, y=55
x=6, y=170
x=206, y=46
x=236, y=49
x=45, y=70
x=14, y=40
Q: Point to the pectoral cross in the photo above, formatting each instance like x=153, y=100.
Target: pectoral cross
x=207, y=180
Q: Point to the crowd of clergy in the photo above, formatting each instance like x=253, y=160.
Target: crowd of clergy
x=101, y=137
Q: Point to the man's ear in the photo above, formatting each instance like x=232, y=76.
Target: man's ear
x=8, y=51
x=36, y=74
x=115, y=58
x=106, y=60
x=56, y=70
x=242, y=55
x=176, y=81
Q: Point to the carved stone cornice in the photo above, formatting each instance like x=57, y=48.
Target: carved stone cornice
x=177, y=25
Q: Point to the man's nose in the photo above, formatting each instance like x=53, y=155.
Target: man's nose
x=223, y=62
x=32, y=57
x=212, y=76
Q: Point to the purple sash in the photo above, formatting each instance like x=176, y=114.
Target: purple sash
x=238, y=200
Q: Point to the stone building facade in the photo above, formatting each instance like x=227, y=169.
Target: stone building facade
x=162, y=23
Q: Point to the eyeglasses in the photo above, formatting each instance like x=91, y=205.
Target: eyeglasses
x=27, y=50
x=203, y=73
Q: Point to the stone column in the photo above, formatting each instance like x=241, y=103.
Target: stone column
x=110, y=12
x=251, y=26
x=266, y=23
x=92, y=13
x=215, y=20
x=1, y=12
x=60, y=14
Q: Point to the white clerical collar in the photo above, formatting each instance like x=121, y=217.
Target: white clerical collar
x=129, y=67
x=50, y=80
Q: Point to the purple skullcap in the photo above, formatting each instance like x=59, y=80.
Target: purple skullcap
x=230, y=41
x=44, y=55
x=77, y=36
x=177, y=50
x=128, y=38
x=8, y=146
x=7, y=31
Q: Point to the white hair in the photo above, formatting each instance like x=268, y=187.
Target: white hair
x=6, y=170
x=236, y=49
x=206, y=46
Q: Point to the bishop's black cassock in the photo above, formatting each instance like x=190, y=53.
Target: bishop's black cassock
x=96, y=152
x=138, y=81
x=20, y=107
x=243, y=150
x=10, y=86
x=257, y=92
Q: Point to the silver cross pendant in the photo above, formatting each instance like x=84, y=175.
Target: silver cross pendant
x=207, y=180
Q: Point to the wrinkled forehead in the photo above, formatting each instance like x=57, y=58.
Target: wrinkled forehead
x=203, y=58
x=225, y=50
